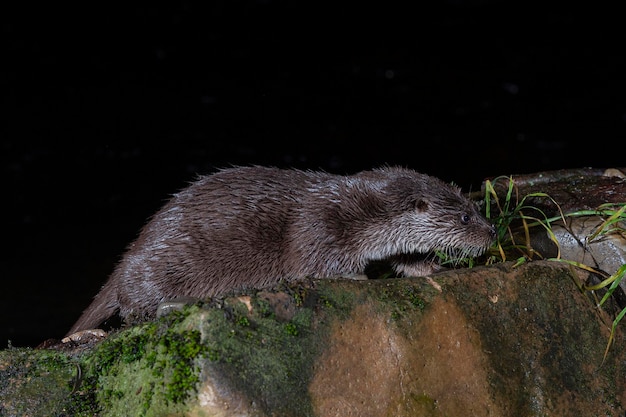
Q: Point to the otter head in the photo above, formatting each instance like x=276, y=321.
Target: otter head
x=430, y=215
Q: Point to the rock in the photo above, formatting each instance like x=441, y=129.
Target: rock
x=579, y=195
x=606, y=253
x=495, y=341
x=572, y=189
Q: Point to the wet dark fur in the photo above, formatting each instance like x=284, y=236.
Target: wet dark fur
x=251, y=227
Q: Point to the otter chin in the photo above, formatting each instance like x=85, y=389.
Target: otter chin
x=254, y=226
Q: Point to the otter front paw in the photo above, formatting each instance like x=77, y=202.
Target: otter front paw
x=416, y=269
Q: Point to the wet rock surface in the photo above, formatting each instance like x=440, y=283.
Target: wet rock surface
x=572, y=189
x=497, y=341
x=584, y=199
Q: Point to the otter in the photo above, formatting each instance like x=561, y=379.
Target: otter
x=249, y=227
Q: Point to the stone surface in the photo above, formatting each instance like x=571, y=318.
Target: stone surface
x=496, y=341
x=572, y=189
x=580, y=197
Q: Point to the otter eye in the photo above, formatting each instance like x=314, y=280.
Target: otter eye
x=421, y=205
x=465, y=218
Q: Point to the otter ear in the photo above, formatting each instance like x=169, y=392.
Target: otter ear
x=421, y=205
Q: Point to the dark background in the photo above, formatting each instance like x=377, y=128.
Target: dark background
x=106, y=111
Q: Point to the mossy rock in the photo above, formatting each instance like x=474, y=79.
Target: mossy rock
x=492, y=341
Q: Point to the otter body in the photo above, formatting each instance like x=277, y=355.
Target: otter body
x=251, y=227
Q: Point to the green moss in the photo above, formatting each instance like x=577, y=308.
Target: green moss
x=338, y=298
x=268, y=359
x=183, y=348
x=146, y=370
x=291, y=329
x=263, y=308
x=424, y=402
x=298, y=298
x=400, y=297
x=35, y=382
x=537, y=337
x=151, y=369
x=243, y=321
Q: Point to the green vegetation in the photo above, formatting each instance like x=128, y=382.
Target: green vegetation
x=147, y=370
x=45, y=378
x=514, y=224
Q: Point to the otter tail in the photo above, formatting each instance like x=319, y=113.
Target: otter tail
x=103, y=306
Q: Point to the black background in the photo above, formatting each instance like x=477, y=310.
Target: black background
x=107, y=110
